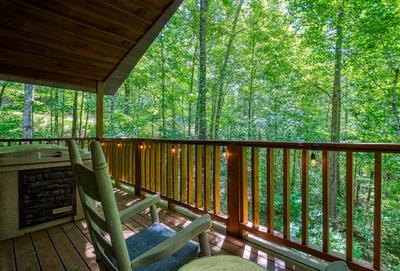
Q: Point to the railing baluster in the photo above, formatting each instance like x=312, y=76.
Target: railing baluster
x=190, y=175
x=207, y=186
x=270, y=190
x=244, y=217
x=304, y=197
x=216, y=180
x=377, y=210
x=255, y=190
x=199, y=168
x=158, y=167
x=175, y=156
x=147, y=162
x=325, y=202
x=183, y=168
x=152, y=167
x=138, y=166
x=349, y=206
x=163, y=170
x=142, y=165
x=286, y=193
x=123, y=161
x=170, y=173
x=132, y=163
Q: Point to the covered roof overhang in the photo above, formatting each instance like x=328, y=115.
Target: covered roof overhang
x=76, y=43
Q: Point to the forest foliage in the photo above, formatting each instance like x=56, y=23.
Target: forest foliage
x=294, y=70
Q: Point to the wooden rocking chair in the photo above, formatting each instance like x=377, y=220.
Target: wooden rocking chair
x=155, y=248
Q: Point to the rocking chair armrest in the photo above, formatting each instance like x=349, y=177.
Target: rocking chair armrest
x=174, y=243
x=138, y=207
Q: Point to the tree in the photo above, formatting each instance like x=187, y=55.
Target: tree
x=201, y=115
x=335, y=114
x=75, y=115
x=221, y=84
x=27, y=114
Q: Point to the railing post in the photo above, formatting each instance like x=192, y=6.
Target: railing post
x=138, y=166
x=234, y=179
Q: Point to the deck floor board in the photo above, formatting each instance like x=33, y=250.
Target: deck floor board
x=68, y=246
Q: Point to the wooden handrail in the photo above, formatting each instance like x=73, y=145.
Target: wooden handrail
x=191, y=173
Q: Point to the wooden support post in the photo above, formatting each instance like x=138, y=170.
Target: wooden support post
x=99, y=109
x=234, y=180
x=349, y=206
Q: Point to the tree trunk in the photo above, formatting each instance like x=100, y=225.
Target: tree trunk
x=222, y=76
x=81, y=113
x=51, y=111
x=127, y=97
x=394, y=101
x=62, y=113
x=112, y=111
x=163, y=87
x=335, y=116
x=56, y=113
x=191, y=90
x=2, y=89
x=87, y=117
x=202, y=94
x=27, y=114
x=74, y=114
x=250, y=107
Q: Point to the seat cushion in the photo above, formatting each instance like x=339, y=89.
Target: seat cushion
x=152, y=236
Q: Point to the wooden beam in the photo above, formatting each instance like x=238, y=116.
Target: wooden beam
x=349, y=206
x=99, y=109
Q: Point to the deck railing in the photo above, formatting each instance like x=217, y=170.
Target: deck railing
x=83, y=143
x=193, y=174
x=215, y=177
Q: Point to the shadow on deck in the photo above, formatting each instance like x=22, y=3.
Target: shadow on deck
x=68, y=246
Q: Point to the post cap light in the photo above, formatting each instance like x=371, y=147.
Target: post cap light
x=313, y=159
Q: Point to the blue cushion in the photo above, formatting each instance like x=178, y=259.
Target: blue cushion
x=152, y=236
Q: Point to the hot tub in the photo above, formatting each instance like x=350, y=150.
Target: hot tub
x=37, y=188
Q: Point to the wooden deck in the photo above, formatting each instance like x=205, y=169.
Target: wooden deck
x=68, y=246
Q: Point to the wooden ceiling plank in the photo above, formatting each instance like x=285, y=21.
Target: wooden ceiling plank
x=138, y=8
x=37, y=15
x=106, y=11
x=32, y=48
x=65, y=9
x=24, y=75
x=72, y=48
x=27, y=60
x=42, y=34
x=133, y=56
x=159, y=4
